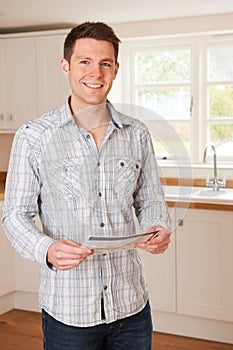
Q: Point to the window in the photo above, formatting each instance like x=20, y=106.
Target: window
x=188, y=83
x=220, y=99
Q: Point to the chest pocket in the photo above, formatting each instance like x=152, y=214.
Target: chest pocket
x=126, y=177
x=64, y=177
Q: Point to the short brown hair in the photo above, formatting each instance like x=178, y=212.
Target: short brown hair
x=94, y=30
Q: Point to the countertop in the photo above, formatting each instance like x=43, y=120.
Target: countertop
x=190, y=197
x=199, y=197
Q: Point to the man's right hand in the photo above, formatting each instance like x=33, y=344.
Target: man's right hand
x=65, y=255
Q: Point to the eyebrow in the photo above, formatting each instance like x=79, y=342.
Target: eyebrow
x=89, y=58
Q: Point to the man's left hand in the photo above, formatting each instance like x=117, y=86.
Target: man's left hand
x=158, y=244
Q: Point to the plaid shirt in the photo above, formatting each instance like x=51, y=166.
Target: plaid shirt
x=57, y=172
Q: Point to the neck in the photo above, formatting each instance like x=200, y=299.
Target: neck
x=93, y=117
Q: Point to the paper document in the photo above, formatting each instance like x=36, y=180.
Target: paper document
x=103, y=245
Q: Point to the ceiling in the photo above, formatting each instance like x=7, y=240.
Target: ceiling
x=21, y=15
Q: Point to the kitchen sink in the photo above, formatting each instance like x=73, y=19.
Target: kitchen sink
x=209, y=193
x=205, y=194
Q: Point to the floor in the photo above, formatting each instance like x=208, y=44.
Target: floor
x=21, y=330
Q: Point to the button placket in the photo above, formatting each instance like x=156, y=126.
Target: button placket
x=99, y=192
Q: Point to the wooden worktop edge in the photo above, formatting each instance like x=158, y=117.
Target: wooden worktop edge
x=171, y=181
x=171, y=203
x=200, y=205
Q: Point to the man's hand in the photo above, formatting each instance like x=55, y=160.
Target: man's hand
x=65, y=255
x=158, y=244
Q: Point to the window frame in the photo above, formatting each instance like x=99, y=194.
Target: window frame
x=198, y=44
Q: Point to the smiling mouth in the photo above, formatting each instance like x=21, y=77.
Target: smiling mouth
x=93, y=86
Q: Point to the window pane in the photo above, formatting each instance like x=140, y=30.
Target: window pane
x=220, y=64
x=183, y=130
x=225, y=149
x=173, y=139
x=163, y=66
x=221, y=101
x=161, y=151
x=221, y=135
x=169, y=102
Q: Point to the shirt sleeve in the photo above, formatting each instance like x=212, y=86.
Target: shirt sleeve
x=149, y=199
x=21, y=201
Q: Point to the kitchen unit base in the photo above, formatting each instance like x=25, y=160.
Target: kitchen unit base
x=195, y=327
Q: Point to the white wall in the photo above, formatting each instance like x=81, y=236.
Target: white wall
x=176, y=26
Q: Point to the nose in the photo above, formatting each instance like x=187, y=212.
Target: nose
x=96, y=70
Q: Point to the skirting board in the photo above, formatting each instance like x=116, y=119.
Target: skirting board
x=195, y=327
x=19, y=300
x=26, y=301
x=6, y=303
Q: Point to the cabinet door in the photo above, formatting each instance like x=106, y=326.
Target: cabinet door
x=27, y=272
x=7, y=271
x=160, y=271
x=204, y=264
x=53, y=87
x=19, y=76
x=2, y=91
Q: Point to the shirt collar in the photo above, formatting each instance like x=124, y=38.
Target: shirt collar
x=118, y=119
x=65, y=114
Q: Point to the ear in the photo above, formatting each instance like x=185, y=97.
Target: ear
x=116, y=69
x=65, y=67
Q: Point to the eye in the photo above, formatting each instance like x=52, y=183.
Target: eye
x=106, y=64
x=84, y=62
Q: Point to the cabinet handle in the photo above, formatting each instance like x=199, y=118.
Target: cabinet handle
x=1, y=117
x=180, y=222
x=9, y=117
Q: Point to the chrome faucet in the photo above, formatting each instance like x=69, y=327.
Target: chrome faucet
x=216, y=184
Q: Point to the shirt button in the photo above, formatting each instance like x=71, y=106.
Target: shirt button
x=102, y=224
x=88, y=136
x=98, y=163
x=100, y=194
x=122, y=163
x=105, y=287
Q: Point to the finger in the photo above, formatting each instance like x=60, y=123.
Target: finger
x=153, y=248
x=68, y=264
x=161, y=239
x=71, y=248
x=66, y=254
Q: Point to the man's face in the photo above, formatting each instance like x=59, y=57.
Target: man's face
x=91, y=72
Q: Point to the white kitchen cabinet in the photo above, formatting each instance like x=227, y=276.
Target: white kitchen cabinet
x=191, y=285
x=26, y=271
x=204, y=264
x=2, y=99
x=52, y=86
x=19, y=280
x=160, y=271
x=18, y=85
x=32, y=82
x=7, y=263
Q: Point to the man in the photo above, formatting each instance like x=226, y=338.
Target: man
x=85, y=169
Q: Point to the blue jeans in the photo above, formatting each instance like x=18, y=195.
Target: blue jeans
x=131, y=333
